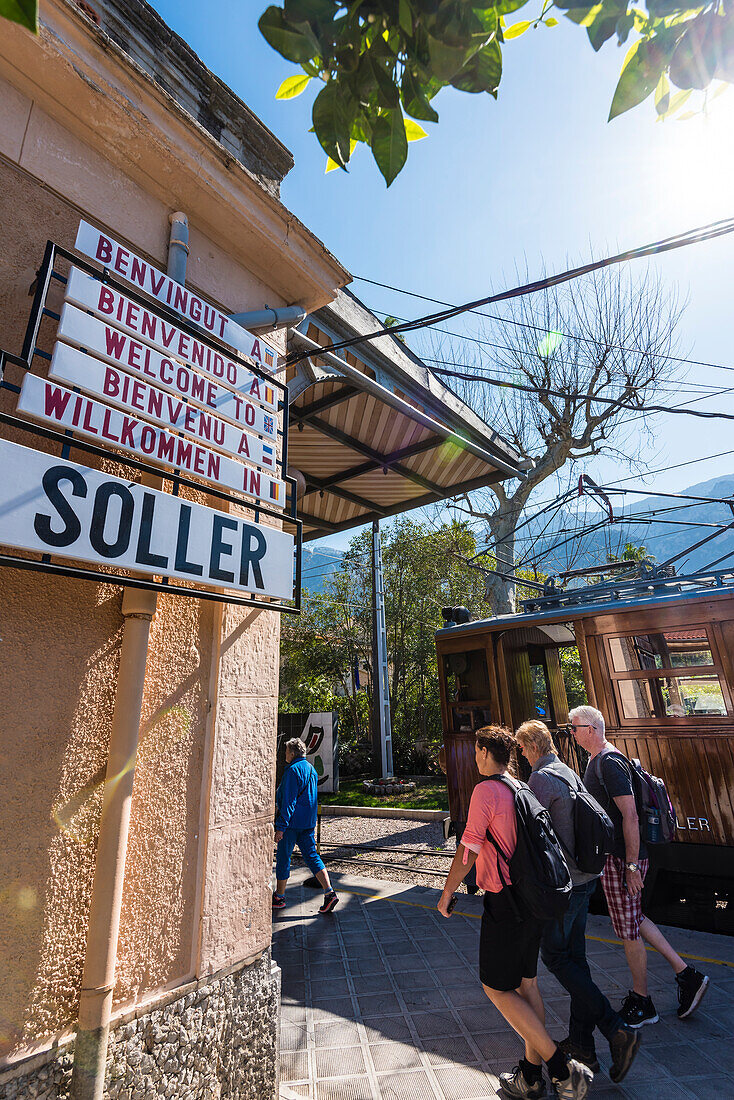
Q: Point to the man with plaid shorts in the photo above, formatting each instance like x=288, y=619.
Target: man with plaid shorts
x=608, y=778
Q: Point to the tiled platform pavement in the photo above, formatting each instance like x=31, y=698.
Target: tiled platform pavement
x=381, y=1001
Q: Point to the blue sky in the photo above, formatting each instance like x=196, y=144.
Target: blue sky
x=536, y=177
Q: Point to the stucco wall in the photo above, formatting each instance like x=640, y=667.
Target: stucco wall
x=58, y=661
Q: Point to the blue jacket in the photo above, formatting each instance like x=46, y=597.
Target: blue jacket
x=296, y=796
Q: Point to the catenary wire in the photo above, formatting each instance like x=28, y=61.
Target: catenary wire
x=525, y=324
x=680, y=240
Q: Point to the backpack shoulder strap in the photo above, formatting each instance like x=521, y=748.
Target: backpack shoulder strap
x=557, y=775
x=598, y=768
x=507, y=782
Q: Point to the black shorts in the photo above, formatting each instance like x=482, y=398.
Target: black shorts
x=508, y=947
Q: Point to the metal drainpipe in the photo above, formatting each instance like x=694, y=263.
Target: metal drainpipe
x=98, y=982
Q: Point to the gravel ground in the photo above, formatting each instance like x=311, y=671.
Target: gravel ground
x=394, y=833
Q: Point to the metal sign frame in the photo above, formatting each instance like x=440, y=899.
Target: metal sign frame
x=47, y=275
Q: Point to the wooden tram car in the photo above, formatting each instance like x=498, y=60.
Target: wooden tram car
x=656, y=657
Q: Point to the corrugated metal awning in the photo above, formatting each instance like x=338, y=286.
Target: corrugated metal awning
x=374, y=433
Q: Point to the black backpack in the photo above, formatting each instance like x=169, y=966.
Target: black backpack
x=658, y=820
x=593, y=830
x=541, y=882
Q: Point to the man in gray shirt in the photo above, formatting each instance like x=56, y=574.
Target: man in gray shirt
x=563, y=947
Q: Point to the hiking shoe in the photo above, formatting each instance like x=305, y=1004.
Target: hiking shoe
x=331, y=900
x=623, y=1047
x=691, y=987
x=576, y=1085
x=278, y=901
x=517, y=1084
x=638, y=1011
x=587, y=1056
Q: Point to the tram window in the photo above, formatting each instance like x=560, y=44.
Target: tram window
x=573, y=676
x=672, y=697
x=668, y=649
x=540, y=692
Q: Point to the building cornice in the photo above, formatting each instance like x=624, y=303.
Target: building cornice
x=82, y=79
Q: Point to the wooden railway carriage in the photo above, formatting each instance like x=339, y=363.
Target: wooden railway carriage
x=657, y=659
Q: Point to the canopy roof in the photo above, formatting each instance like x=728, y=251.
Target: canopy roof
x=374, y=432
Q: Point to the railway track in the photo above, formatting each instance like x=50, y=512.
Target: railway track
x=335, y=853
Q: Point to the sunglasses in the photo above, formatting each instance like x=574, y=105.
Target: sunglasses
x=583, y=726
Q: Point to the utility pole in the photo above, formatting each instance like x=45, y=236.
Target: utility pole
x=381, y=725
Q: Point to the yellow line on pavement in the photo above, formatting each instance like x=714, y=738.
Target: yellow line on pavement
x=478, y=916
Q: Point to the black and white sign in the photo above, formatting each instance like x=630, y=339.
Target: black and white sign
x=55, y=506
x=120, y=260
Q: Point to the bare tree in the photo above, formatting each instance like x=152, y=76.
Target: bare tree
x=608, y=336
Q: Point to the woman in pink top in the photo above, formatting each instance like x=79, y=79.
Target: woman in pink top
x=509, y=943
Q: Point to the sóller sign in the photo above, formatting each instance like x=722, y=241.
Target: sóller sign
x=51, y=505
x=113, y=346
x=134, y=395
x=133, y=269
x=47, y=401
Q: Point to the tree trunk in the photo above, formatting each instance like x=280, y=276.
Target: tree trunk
x=501, y=592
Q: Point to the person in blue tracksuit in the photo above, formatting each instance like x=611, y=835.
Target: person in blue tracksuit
x=295, y=822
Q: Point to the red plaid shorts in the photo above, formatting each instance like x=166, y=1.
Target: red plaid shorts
x=625, y=911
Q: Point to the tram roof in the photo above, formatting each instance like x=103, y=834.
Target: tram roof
x=578, y=604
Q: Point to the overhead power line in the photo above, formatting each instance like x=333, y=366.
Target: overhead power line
x=522, y=324
x=547, y=391
x=544, y=330
x=680, y=240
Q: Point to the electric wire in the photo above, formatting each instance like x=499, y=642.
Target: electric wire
x=525, y=324
x=548, y=391
x=680, y=240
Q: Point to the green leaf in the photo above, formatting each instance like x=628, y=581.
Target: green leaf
x=301, y=11
x=24, y=12
x=551, y=22
x=389, y=143
x=293, y=86
x=294, y=41
x=642, y=69
x=333, y=114
x=662, y=95
x=506, y=7
x=483, y=73
x=516, y=29
x=405, y=16
x=446, y=60
x=601, y=30
x=705, y=50
x=415, y=100
x=331, y=164
x=382, y=63
x=414, y=131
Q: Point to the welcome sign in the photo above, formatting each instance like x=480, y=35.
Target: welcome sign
x=136, y=396
x=55, y=506
x=47, y=401
x=133, y=269
x=241, y=406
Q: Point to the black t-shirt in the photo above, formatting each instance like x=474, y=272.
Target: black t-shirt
x=617, y=782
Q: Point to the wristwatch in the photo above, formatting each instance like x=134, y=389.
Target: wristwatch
x=632, y=866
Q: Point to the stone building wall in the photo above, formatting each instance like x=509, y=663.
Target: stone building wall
x=215, y=1038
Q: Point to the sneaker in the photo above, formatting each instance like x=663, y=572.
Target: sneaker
x=585, y=1055
x=691, y=987
x=278, y=901
x=637, y=1010
x=331, y=900
x=517, y=1084
x=576, y=1085
x=623, y=1046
